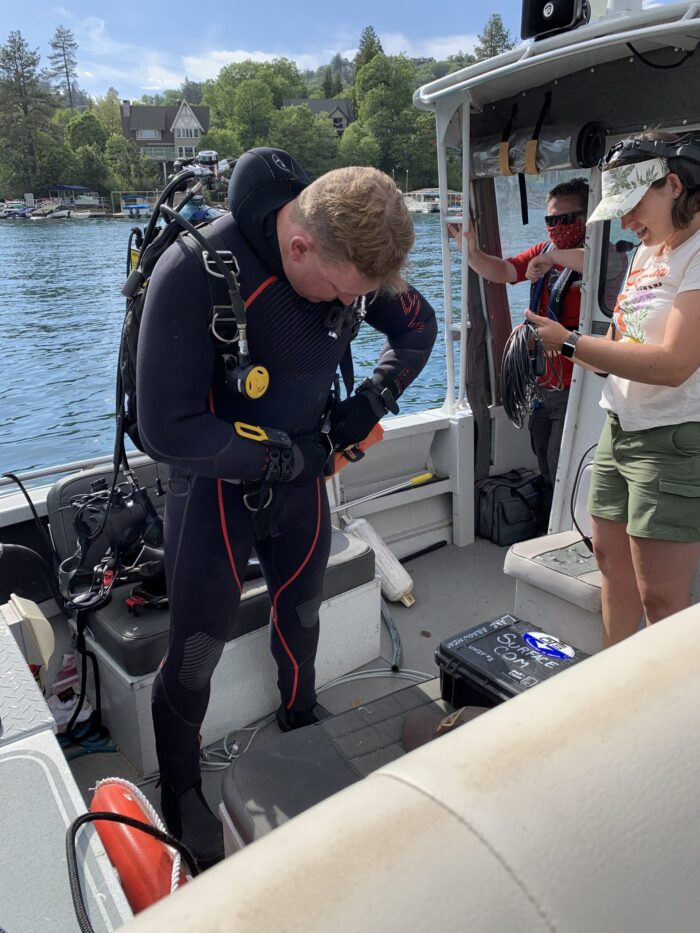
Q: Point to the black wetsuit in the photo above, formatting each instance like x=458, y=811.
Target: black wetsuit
x=186, y=416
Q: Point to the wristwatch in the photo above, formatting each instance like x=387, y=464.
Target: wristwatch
x=568, y=348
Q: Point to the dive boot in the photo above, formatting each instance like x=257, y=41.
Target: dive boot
x=189, y=819
x=288, y=719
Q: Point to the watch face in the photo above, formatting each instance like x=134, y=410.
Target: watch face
x=568, y=348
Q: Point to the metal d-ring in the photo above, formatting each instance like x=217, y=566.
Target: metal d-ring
x=214, y=331
x=246, y=503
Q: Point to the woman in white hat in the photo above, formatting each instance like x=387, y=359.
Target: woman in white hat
x=645, y=488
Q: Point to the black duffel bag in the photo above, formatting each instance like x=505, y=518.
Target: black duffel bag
x=510, y=507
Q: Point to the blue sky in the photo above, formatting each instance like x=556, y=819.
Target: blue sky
x=147, y=46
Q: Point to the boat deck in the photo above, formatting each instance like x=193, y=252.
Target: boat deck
x=454, y=588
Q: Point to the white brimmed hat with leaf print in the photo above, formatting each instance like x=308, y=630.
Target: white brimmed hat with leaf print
x=625, y=186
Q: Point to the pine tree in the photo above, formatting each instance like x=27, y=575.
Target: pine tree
x=63, y=60
x=26, y=106
x=369, y=47
x=337, y=88
x=495, y=39
x=327, y=84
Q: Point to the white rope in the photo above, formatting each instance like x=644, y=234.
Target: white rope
x=152, y=814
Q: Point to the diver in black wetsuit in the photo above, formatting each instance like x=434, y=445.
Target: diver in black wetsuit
x=306, y=254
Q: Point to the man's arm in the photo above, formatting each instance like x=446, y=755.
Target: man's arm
x=410, y=326
x=492, y=268
x=409, y=323
x=568, y=258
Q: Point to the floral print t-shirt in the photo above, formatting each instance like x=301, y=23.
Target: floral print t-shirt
x=640, y=316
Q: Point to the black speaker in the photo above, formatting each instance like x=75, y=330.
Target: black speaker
x=545, y=17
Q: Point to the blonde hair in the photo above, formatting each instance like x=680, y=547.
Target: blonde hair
x=358, y=215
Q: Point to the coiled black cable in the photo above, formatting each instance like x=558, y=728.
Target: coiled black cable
x=527, y=372
x=519, y=386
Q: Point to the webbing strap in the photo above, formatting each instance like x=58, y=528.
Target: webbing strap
x=503, y=149
x=531, y=148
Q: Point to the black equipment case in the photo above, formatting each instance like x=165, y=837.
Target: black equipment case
x=510, y=507
x=496, y=660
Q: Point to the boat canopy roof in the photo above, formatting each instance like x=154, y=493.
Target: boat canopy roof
x=617, y=70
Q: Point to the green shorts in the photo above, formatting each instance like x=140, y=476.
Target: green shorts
x=649, y=479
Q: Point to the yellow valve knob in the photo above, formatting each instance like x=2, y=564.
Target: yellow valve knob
x=257, y=382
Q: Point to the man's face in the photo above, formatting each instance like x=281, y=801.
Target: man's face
x=318, y=279
x=568, y=231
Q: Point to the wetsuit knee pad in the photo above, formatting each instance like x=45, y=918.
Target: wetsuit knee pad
x=308, y=611
x=200, y=655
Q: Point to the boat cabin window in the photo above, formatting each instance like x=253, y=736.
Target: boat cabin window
x=516, y=237
x=618, y=249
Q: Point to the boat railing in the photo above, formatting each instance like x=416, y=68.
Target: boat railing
x=61, y=469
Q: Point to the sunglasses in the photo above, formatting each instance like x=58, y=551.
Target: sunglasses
x=551, y=220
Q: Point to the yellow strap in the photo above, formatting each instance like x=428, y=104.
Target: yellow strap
x=504, y=157
x=422, y=478
x=251, y=432
x=531, y=157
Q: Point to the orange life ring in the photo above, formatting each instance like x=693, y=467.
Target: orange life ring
x=144, y=864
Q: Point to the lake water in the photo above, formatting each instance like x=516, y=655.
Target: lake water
x=60, y=318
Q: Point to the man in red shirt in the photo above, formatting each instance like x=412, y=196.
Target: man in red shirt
x=554, y=268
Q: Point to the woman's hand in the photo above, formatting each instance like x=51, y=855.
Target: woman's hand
x=539, y=266
x=551, y=333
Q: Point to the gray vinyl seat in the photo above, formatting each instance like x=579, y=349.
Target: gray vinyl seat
x=280, y=778
x=137, y=643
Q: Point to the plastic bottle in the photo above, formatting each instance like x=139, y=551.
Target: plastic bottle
x=397, y=585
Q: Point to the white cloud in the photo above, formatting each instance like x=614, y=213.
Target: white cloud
x=438, y=47
x=134, y=68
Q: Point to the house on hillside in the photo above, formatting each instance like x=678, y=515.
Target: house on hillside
x=340, y=111
x=165, y=133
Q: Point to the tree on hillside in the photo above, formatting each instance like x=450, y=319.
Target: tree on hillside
x=369, y=47
x=384, y=93
x=310, y=138
x=328, y=84
x=281, y=77
x=63, y=60
x=191, y=91
x=84, y=129
x=225, y=142
x=92, y=168
x=357, y=146
x=26, y=106
x=168, y=98
x=337, y=88
x=494, y=40
x=252, y=112
x=128, y=171
x=343, y=68
x=107, y=109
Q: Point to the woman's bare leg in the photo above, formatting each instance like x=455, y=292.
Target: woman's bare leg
x=664, y=572
x=620, y=597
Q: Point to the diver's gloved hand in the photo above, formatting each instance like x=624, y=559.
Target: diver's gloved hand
x=309, y=460
x=353, y=419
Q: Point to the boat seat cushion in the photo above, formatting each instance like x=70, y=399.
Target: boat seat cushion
x=285, y=775
x=138, y=643
x=559, y=564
